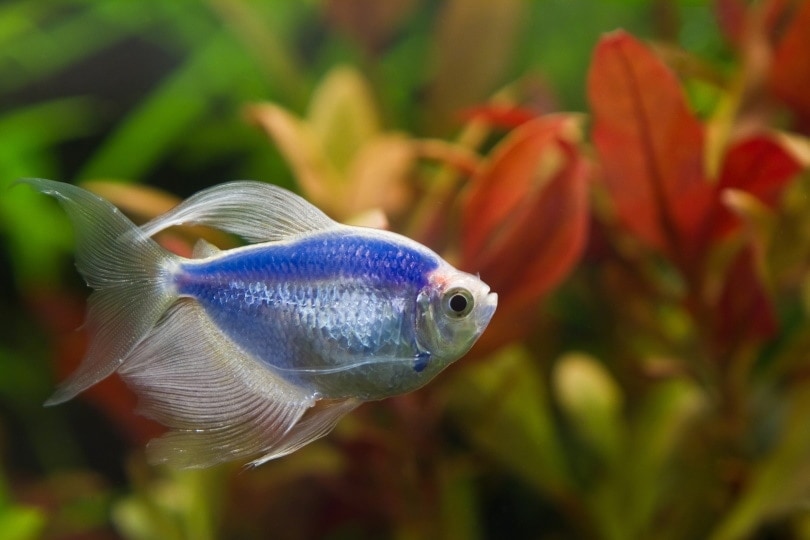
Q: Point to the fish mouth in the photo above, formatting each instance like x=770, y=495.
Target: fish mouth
x=492, y=299
x=490, y=304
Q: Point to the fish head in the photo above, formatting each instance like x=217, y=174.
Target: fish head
x=453, y=310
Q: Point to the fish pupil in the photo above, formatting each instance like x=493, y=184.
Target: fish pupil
x=458, y=303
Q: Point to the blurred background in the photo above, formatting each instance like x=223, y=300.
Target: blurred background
x=638, y=199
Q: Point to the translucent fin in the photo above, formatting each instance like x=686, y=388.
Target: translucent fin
x=203, y=249
x=417, y=361
x=255, y=211
x=220, y=403
x=317, y=422
x=129, y=273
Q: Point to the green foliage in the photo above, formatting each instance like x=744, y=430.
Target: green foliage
x=19, y=522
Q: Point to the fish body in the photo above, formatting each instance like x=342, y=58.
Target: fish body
x=258, y=350
x=336, y=312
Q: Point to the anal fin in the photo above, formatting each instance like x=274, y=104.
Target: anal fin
x=220, y=403
x=316, y=422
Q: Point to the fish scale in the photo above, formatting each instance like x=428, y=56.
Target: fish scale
x=269, y=305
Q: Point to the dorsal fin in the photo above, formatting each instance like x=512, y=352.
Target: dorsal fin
x=255, y=211
x=203, y=249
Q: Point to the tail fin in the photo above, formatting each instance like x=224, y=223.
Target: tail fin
x=130, y=275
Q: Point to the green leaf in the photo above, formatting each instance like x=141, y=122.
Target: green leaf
x=21, y=523
x=18, y=522
x=35, y=47
x=503, y=406
x=342, y=115
x=592, y=401
x=780, y=482
x=458, y=500
x=149, y=133
x=658, y=432
x=35, y=229
x=183, y=504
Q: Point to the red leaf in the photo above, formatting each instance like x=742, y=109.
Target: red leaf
x=789, y=77
x=505, y=178
x=730, y=15
x=759, y=166
x=743, y=22
x=500, y=115
x=525, y=220
x=744, y=310
x=650, y=145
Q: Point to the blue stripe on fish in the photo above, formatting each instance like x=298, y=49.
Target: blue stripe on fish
x=330, y=255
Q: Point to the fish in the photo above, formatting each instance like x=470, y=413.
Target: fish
x=252, y=352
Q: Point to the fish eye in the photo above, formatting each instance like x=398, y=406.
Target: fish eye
x=458, y=302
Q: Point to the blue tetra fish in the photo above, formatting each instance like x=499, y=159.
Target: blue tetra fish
x=256, y=351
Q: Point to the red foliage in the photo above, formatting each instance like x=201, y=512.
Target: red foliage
x=651, y=149
x=650, y=146
x=744, y=310
x=525, y=220
x=730, y=15
x=505, y=116
x=789, y=77
x=759, y=166
x=526, y=214
x=738, y=18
